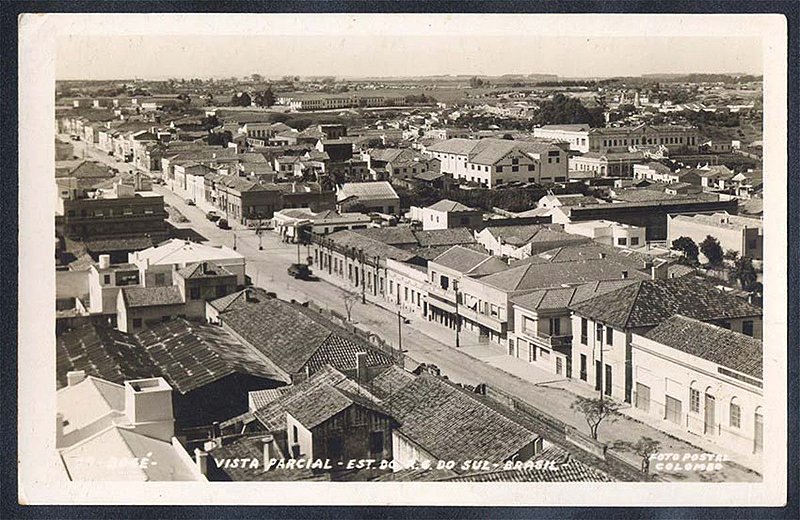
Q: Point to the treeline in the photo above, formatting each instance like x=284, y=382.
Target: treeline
x=514, y=200
x=561, y=110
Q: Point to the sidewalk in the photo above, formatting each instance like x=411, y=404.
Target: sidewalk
x=554, y=396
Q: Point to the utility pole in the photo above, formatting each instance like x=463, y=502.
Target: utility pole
x=458, y=318
x=400, y=332
x=602, y=366
x=234, y=240
x=260, y=234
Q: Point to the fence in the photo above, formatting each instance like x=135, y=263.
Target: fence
x=558, y=432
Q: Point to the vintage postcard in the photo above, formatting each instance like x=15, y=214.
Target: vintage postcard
x=408, y=259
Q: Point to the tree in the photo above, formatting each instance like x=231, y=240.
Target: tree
x=595, y=411
x=744, y=273
x=266, y=98
x=688, y=248
x=241, y=99
x=256, y=78
x=645, y=447
x=350, y=300
x=712, y=250
x=731, y=255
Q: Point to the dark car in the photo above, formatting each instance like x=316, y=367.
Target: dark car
x=300, y=271
x=189, y=202
x=223, y=223
x=213, y=217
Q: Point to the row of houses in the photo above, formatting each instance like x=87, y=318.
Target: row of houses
x=573, y=308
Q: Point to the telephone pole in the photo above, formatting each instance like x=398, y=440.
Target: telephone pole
x=400, y=332
x=458, y=318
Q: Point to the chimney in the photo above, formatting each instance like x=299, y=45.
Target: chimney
x=624, y=275
x=201, y=459
x=269, y=448
x=361, y=367
x=602, y=255
x=74, y=377
x=148, y=407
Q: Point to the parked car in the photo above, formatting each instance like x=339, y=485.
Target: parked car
x=213, y=216
x=299, y=271
x=189, y=202
x=223, y=223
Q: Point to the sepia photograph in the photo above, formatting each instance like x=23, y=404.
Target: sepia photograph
x=403, y=259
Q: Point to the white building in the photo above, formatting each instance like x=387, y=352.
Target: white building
x=111, y=432
x=609, y=232
x=702, y=379
x=741, y=234
x=447, y=214
x=491, y=162
x=156, y=263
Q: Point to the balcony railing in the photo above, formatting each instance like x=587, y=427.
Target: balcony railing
x=549, y=340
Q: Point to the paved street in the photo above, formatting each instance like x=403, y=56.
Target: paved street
x=426, y=342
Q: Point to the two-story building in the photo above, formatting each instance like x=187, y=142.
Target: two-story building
x=602, y=327
x=491, y=162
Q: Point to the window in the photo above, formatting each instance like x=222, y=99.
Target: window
x=391, y=286
x=584, y=331
x=736, y=414
x=634, y=241
x=608, y=380
x=583, y=367
x=622, y=241
x=294, y=434
x=106, y=279
x=515, y=168
x=672, y=411
x=694, y=400
x=515, y=160
x=376, y=442
x=194, y=293
x=444, y=282
x=598, y=333
x=642, y=397
x=499, y=169
x=559, y=366
x=137, y=322
x=747, y=328
x=405, y=293
x=609, y=335
x=530, y=167
x=555, y=327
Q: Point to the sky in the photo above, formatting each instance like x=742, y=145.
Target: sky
x=398, y=50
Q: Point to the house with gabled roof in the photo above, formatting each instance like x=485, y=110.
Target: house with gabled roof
x=297, y=341
x=602, y=326
x=447, y=214
x=703, y=379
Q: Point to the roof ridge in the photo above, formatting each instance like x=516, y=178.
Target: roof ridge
x=634, y=300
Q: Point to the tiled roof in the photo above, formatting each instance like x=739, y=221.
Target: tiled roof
x=461, y=259
x=525, y=234
x=429, y=175
x=261, y=398
x=563, y=297
x=457, y=146
x=449, y=206
x=453, y=424
x=292, y=337
x=390, y=380
x=367, y=191
x=102, y=352
x=341, y=353
x=188, y=355
x=193, y=355
x=203, y=270
x=567, y=469
x=119, y=244
x=152, y=296
x=589, y=250
x=252, y=447
x=543, y=275
x=712, y=343
x=324, y=394
x=649, y=303
x=445, y=237
x=371, y=247
x=394, y=236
